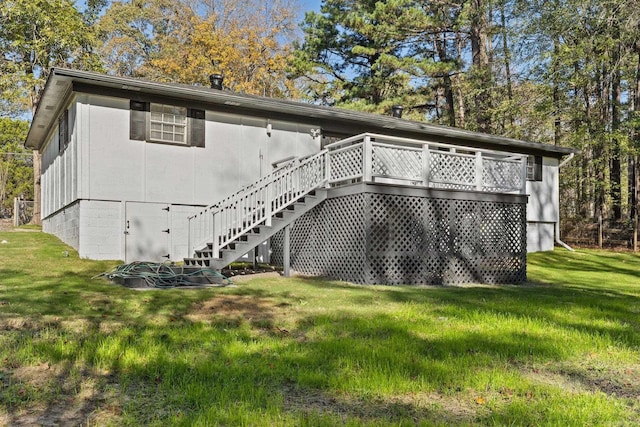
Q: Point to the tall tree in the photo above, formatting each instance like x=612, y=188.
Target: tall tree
x=481, y=73
x=185, y=41
x=36, y=35
x=370, y=55
x=16, y=165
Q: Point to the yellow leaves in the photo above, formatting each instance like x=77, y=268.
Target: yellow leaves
x=170, y=41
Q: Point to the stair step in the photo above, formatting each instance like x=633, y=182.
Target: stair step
x=197, y=262
x=253, y=237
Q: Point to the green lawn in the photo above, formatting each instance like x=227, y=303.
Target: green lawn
x=561, y=350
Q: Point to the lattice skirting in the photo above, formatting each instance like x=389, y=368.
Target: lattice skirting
x=401, y=239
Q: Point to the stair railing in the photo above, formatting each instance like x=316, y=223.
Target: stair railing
x=257, y=203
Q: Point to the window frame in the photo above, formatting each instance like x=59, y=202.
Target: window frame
x=140, y=124
x=64, y=136
x=534, y=168
x=166, y=111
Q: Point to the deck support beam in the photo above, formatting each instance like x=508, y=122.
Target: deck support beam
x=286, y=249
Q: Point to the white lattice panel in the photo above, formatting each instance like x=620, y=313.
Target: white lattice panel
x=347, y=162
x=397, y=162
x=399, y=239
x=453, y=169
x=501, y=175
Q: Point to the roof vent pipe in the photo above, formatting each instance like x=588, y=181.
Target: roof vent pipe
x=396, y=110
x=216, y=81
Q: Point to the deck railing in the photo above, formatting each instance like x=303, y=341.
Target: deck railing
x=379, y=158
x=362, y=158
x=257, y=203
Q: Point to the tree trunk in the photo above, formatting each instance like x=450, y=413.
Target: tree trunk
x=615, y=175
x=507, y=62
x=634, y=166
x=441, y=47
x=480, y=59
x=37, y=161
x=37, y=167
x=555, y=69
x=459, y=91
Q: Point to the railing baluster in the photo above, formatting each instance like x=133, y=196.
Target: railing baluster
x=268, y=200
x=215, y=233
x=426, y=164
x=478, y=173
x=367, y=166
x=523, y=175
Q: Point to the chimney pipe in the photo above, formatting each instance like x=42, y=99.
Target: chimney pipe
x=396, y=111
x=216, y=81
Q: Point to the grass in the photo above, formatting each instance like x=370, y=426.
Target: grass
x=561, y=350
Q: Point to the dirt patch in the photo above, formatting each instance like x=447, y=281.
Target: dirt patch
x=240, y=278
x=73, y=397
x=419, y=407
x=623, y=383
x=234, y=309
x=6, y=224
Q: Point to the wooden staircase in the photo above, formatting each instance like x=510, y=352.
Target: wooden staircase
x=256, y=235
x=225, y=231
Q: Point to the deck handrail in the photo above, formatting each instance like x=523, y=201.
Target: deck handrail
x=369, y=157
x=257, y=203
x=361, y=158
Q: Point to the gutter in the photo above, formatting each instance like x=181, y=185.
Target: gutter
x=558, y=241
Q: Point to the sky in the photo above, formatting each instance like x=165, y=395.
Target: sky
x=304, y=5
x=308, y=5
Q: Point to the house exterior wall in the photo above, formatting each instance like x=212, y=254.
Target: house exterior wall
x=65, y=224
x=543, y=207
x=101, y=229
x=60, y=169
x=101, y=170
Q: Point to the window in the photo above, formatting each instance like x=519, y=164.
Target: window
x=534, y=168
x=63, y=131
x=163, y=123
x=168, y=124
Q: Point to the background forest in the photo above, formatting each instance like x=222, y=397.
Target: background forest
x=563, y=72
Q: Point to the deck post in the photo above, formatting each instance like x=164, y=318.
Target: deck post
x=479, y=170
x=367, y=154
x=286, y=252
x=426, y=164
x=327, y=168
x=523, y=175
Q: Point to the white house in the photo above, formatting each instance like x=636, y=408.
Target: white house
x=127, y=162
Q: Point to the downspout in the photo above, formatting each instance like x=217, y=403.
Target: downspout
x=558, y=241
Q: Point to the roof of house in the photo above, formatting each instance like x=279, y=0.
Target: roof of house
x=62, y=81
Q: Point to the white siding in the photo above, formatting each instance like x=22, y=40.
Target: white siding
x=64, y=224
x=238, y=150
x=179, y=225
x=543, y=207
x=540, y=236
x=544, y=196
x=101, y=230
x=59, y=178
x=102, y=169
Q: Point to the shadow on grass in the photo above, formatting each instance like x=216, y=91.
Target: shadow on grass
x=175, y=360
x=600, y=311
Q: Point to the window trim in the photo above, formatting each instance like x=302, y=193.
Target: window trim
x=534, y=168
x=64, y=136
x=140, y=124
x=184, y=126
